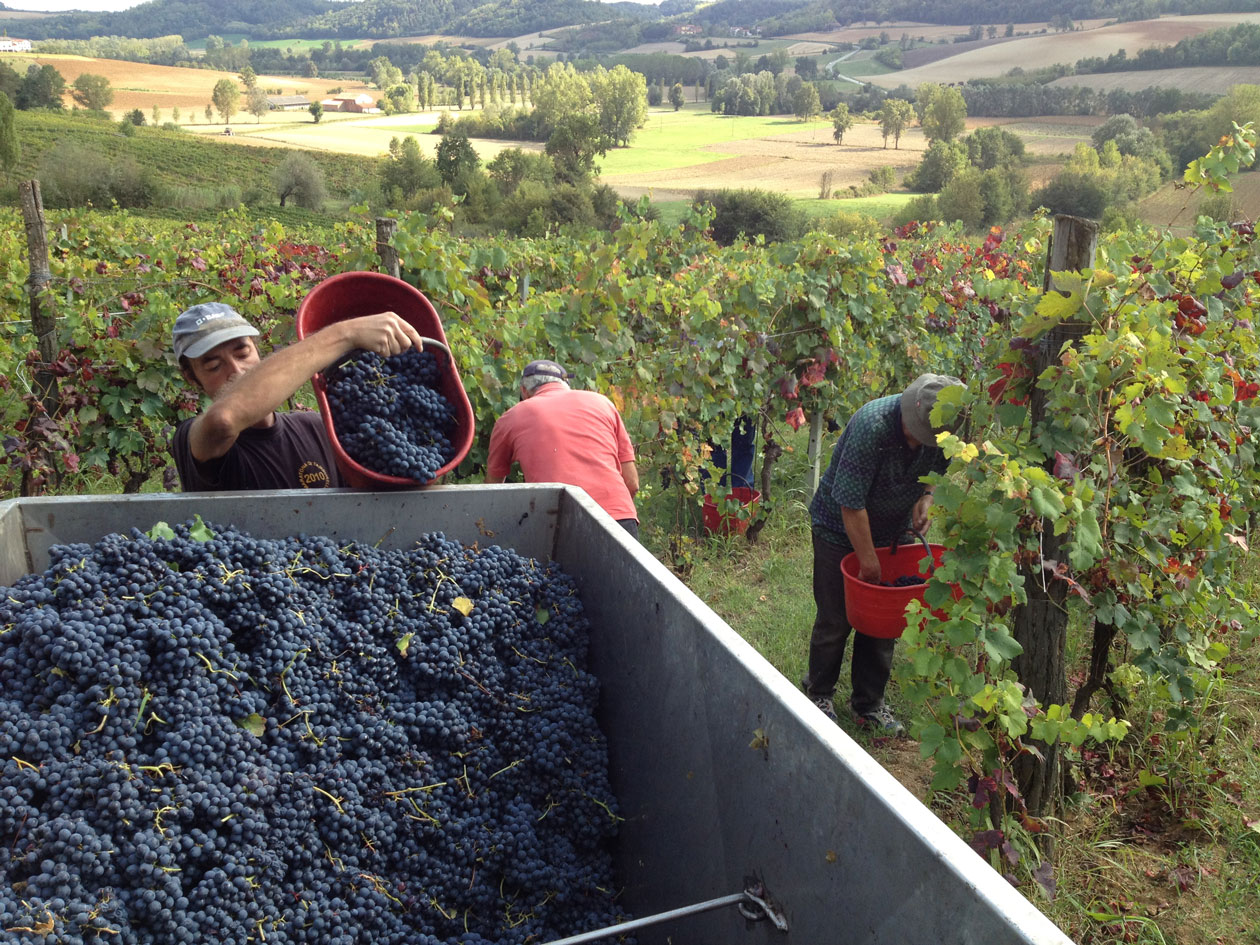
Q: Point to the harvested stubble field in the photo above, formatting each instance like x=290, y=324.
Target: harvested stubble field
x=1052, y=48
x=929, y=32
x=1176, y=207
x=140, y=85
x=1046, y=135
x=1211, y=79
x=366, y=135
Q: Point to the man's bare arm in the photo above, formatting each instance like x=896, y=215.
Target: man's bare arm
x=630, y=473
x=253, y=396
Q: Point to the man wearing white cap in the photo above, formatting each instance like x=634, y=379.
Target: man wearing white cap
x=571, y=436
x=242, y=440
x=869, y=495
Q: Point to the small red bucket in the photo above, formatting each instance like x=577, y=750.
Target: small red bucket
x=350, y=295
x=879, y=611
x=719, y=523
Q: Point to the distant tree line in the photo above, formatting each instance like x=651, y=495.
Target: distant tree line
x=763, y=93
x=1232, y=46
x=190, y=18
x=1022, y=100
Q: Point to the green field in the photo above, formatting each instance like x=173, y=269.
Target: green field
x=425, y=129
x=879, y=206
x=672, y=139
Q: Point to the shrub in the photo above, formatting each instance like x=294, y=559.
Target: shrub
x=752, y=213
x=604, y=203
x=883, y=179
x=1079, y=193
x=962, y=200
x=941, y=161
x=848, y=225
x=74, y=176
x=513, y=165
x=299, y=178
x=917, y=208
x=1219, y=206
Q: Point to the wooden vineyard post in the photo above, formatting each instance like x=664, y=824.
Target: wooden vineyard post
x=386, y=227
x=43, y=318
x=1040, y=625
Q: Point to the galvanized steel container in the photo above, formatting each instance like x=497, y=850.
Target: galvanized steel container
x=724, y=770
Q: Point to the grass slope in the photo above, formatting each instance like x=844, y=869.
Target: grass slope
x=176, y=158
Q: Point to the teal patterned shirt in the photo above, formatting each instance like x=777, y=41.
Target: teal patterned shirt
x=873, y=468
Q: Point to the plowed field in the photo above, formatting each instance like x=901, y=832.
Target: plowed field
x=138, y=85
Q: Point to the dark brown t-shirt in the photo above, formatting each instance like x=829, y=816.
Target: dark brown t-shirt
x=292, y=453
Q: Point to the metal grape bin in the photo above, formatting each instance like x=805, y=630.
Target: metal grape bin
x=723, y=768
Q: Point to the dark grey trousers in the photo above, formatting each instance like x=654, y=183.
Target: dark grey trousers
x=872, y=656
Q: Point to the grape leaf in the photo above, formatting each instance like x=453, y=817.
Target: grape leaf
x=253, y=723
x=199, y=530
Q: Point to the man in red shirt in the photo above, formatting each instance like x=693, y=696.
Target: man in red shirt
x=571, y=436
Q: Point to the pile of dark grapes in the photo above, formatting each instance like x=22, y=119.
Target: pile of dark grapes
x=906, y=580
x=298, y=741
x=389, y=415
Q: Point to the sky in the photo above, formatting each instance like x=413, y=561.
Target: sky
x=61, y=6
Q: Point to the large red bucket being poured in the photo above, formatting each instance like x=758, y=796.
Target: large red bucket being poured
x=350, y=295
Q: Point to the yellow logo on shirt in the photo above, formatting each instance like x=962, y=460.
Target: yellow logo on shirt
x=313, y=476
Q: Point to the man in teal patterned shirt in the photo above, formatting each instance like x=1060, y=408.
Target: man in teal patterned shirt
x=869, y=495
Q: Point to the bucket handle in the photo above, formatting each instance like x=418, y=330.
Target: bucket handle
x=913, y=533
x=428, y=343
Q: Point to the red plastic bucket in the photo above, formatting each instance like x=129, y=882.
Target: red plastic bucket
x=350, y=295
x=719, y=523
x=881, y=611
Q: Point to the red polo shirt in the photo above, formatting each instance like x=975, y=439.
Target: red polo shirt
x=571, y=436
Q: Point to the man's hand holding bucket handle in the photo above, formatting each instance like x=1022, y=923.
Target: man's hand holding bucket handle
x=857, y=525
x=386, y=333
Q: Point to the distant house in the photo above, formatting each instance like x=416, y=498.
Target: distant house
x=361, y=102
x=14, y=45
x=288, y=103
x=688, y=29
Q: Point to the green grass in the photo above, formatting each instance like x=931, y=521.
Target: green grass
x=671, y=139
x=860, y=67
x=1181, y=860
x=879, y=206
x=425, y=129
x=177, y=159
x=297, y=45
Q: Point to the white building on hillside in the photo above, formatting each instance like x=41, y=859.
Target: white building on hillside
x=14, y=45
